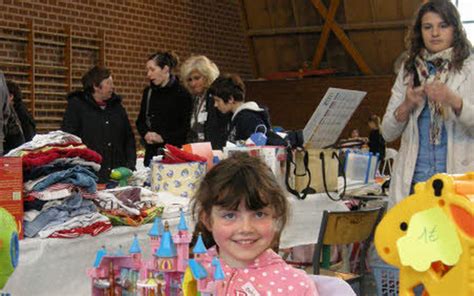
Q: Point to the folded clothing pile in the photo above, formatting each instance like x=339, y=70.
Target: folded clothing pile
x=129, y=205
x=60, y=183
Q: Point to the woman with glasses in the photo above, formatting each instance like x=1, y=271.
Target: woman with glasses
x=207, y=123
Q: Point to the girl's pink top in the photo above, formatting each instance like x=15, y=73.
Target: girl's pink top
x=268, y=274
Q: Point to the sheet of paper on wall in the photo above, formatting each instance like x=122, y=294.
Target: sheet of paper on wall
x=334, y=111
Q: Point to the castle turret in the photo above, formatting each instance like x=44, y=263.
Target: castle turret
x=136, y=252
x=218, y=272
x=219, y=277
x=155, y=234
x=199, y=247
x=182, y=226
x=182, y=240
x=119, y=252
x=166, y=254
x=99, y=255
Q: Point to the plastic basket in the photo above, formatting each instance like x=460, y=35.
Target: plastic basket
x=386, y=279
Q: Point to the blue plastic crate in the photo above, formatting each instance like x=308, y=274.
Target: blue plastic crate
x=386, y=279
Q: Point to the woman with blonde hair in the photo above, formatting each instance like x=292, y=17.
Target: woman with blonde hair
x=207, y=123
x=432, y=102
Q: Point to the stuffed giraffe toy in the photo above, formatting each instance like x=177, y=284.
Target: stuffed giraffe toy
x=429, y=236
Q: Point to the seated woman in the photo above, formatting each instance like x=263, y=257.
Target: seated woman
x=228, y=92
x=207, y=123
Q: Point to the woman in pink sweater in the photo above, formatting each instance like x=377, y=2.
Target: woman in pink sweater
x=241, y=211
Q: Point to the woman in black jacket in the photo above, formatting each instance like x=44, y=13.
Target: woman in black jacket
x=165, y=108
x=97, y=116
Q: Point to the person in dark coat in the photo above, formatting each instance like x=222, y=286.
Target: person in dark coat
x=165, y=108
x=20, y=125
x=228, y=92
x=376, y=140
x=97, y=116
x=207, y=123
x=28, y=124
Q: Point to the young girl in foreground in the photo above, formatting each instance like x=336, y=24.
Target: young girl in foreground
x=243, y=209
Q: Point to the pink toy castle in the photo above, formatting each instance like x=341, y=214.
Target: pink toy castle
x=121, y=274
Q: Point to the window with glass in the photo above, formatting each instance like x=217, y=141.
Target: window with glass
x=466, y=10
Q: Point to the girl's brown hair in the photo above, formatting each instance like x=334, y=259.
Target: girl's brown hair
x=448, y=12
x=239, y=177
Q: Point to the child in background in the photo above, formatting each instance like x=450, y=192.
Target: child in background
x=243, y=210
x=376, y=141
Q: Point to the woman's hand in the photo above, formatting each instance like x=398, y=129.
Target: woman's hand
x=414, y=97
x=439, y=92
x=153, y=138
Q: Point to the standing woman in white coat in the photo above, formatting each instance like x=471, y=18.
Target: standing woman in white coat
x=432, y=102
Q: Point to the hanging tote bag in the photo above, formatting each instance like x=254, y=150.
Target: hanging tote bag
x=316, y=171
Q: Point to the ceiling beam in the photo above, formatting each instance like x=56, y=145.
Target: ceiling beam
x=324, y=37
x=388, y=25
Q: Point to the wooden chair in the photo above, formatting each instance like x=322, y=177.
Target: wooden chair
x=343, y=228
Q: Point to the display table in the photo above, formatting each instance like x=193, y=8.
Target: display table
x=305, y=219
x=58, y=266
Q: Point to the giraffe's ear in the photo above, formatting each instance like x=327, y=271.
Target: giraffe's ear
x=463, y=219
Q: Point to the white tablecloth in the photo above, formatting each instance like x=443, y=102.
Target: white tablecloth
x=58, y=266
x=305, y=219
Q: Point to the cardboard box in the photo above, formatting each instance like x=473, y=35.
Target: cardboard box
x=11, y=188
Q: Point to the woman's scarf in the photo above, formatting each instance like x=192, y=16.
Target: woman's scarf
x=434, y=67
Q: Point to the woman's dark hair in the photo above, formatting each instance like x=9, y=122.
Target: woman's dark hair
x=448, y=12
x=165, y=58
x=239, y=178
x=15, y=91
x=94, y=77
x=228, y=85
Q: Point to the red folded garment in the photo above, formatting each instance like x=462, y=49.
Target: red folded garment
x=93, y=230
x=42, y=158
x=176, y=155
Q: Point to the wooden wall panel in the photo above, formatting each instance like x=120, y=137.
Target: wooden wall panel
x=266, y=55
x=258, y=14
x=292, y=102
x=357, y=11
x=306, y=13
x=390, y=47
x=369, y=47
x=288, y=54
x=281, y=13
x=409, y=8
x=291, y=28
x=286, y=47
